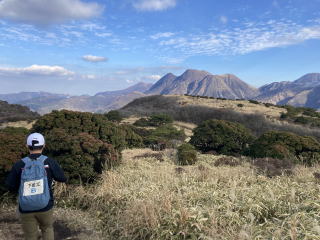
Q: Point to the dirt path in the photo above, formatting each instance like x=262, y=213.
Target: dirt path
x=69, y=225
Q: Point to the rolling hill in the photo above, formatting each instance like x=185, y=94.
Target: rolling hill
x=15, y=112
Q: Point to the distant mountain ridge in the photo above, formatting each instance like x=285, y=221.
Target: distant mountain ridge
x=19, y=98
x=303, y=92
x=43, y=102
x=202, y=83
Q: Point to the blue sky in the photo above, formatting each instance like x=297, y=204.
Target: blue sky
x=85, y=47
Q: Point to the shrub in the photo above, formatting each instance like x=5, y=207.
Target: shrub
x=160, y=119
x=155, y=120
x=81, y=156
x=165, y=134
x=272, y=167
x=187, y=154
x=253, y=101
x=269, y=104
x=302, y=120
x=12, y=149
x=114, y=116
x=224, y=137
x=85, y=143
x=142, y=122
x=94, y=124
x=240, y=105
x=284, y=145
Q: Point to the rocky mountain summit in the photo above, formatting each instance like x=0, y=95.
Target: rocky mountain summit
x=303, y=92
x=195, y=82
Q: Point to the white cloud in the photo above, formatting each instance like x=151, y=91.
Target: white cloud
x=104, y=34
x=37, y=70
x=90, y=76
x=43, y=12
x=152, y=77
x=162, y=35
x=90, y=58
x=223, y=19
x=154, y=5
x=251, y=37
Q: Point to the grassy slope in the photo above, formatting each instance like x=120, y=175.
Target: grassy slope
x=24, y=124
x=176, y=101
x=149, y=199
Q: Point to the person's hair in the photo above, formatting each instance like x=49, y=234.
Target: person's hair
x=34, y=148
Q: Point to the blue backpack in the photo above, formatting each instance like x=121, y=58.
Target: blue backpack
x=34, y=189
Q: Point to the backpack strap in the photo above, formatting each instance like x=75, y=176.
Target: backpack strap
x=42, y=158
x=26, y=160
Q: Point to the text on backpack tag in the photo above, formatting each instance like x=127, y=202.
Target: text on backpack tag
x=33, y=187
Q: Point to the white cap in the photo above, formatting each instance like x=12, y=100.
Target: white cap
x=35, y=139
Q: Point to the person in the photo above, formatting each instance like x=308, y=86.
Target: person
x=34, y=217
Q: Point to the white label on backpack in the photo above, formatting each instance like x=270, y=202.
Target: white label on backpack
x=33, y=188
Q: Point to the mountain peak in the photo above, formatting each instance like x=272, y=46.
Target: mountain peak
x=191, y=72
x=138, y=87
x=309, y=80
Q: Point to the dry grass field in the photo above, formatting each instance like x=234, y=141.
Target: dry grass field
x=270, y=112
x=24, y=124
x=149, y=197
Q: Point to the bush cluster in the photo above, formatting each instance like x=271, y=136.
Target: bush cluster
x=187, y=154
x=165, y=134
x=301, y=115
x=12, y=149
x=223, y=137
x=84, y=143
x=82, y=156
x=230, y=138
x=285, y=145
x=253, y=101
x=155, y=120
x=114, y=116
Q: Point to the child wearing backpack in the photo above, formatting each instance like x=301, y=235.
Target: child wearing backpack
x=32, y=178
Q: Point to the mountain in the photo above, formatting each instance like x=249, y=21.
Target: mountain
x=224, y=86
x=160, y=86
x=25, y=96
x=43, y=102
x=139, y=87
x=15, y=112
x=195, y=82
x=303, y=92
x=309, y=80
x=100, y=103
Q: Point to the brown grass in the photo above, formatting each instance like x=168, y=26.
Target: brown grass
x=24, y=124
x=148, y=199
x=270, y=112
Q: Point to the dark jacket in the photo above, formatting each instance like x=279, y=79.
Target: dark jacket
x=54, y=172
